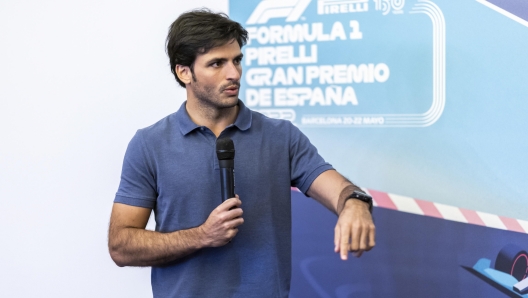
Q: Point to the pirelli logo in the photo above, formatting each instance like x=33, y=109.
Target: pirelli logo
x=341, y=6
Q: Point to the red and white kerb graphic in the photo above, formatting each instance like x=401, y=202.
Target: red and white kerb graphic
x=420, y=207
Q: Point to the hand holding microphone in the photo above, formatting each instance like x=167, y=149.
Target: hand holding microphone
x=222, y=224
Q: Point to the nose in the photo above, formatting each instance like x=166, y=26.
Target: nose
x=233, y=71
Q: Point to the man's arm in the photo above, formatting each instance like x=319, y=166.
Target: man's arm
x=131, y=245
x=355, y=229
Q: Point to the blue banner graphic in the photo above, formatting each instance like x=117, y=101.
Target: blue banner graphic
x=415, y=256
x=425, y=99
x=325, y=63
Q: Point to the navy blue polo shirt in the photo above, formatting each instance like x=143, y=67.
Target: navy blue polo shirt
x=172, y=168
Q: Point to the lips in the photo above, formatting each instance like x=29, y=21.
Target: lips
x=231, y=87
x=231, y=90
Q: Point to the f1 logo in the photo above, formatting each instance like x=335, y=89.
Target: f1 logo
x=268, y=9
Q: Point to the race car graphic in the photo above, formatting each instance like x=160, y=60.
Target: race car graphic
x=509, y=273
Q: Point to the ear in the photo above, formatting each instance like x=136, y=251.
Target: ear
x=183, y=73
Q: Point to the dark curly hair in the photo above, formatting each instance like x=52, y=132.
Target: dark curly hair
x=198, y=31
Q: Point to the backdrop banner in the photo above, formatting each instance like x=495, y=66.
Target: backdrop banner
x=416, y=98
x=415, y=256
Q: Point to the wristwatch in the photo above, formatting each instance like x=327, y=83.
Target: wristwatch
x=359, y=195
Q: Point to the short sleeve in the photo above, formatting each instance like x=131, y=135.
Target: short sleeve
x=306, y=163
x=138, y=183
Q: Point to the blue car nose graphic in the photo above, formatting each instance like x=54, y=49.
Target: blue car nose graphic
x=509, y=273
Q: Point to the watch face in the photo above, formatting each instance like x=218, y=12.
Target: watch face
x=361, y=196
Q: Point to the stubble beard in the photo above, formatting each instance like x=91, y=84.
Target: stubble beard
x=209, y=97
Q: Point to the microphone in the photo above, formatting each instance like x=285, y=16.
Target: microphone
x=225, y=151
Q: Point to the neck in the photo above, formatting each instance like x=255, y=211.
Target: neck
x=214, y=118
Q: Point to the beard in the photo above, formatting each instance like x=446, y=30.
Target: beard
x=212, y=97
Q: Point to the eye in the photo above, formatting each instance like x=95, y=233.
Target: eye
x=238, y=60
x=216, y=64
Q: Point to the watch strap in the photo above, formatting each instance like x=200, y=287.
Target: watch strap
x=359, y=195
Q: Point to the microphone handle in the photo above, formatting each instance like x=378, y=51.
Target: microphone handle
x=227, y=180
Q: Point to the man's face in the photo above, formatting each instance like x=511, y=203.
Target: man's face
x=217, y=76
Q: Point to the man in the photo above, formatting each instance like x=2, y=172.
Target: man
x=203, y=247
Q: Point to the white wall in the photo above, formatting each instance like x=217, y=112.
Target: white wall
x=77, y=78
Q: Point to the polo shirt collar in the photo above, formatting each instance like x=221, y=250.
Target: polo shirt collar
x=243, y=121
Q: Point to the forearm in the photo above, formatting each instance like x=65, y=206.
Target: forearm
x=131, y=246
x=332, y=189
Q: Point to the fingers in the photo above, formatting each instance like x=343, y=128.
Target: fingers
x=233, y=209
x=230, y=235
x=358, y=251
x=222, y=224
x=337, y=238
x=222, y=230
x=230, y=204
x=349, y=239
x=234, y=223
x=356, y=237
x=344, y=242
x=231, y=227
x=372, y=237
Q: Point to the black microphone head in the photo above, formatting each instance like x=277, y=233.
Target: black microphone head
x=225, y=149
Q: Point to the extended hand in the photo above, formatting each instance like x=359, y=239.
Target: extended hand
x=354, y=230
x=221, y=225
